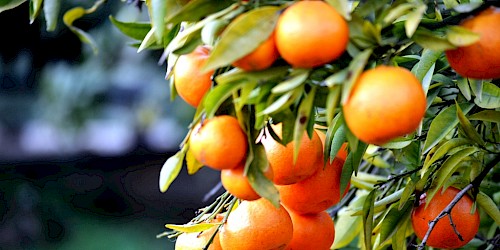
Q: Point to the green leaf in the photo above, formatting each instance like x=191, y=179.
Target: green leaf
x=215, y=97
x=194, y=10
x=356, y=67
x=397, y=12
x=463, y=85
x=430, y=40
x=424, y=69
x=337, y=79
x=393, y=221
x=334, y=145
x=397, y=143
x=297, y=78
x=171, y=170
x=332, y=102
x=303, y=116
x=461, y=37
x=447, y=169
x=408, y=191
x=243, y=36
x=368, y=211
x=9, y=4
x=351, y=164
x=35, y=8
x=148, y=40
x=51, y=9
x=342, y=7
x=283, y=101
x=469, y=130
x=136, y=31
x=399, y=237
x=413, y=19
x=158, y=13
x=477, y=88
x=211, y=31
x=490, y=97
x=443, y=123
x=487, y=116
x=191, y=228
x=347, y=226
x=489, y=206
x=73, y=14
x=443, y=150
x=259, y=182
x=192, y=164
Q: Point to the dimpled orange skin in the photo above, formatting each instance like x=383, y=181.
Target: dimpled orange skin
x=190, y=82
x=220, y=143
x=281, y=158
x=261, y=58
x=310, y=34
x=257, y=225
x=480, y=60
x=316, y=193
x=312, y=231
x=237, y=184
x=385, y=102
x=443, y=235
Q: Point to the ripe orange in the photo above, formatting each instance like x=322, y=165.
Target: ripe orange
x=316, y=193
x=312, y=231
x=257, y=225
x=482, y=59
x=310, y=34
x=190, y=82
x=198, y=240
x=237, y=184
x=281, y=158
x=443, y=235
x=384, y=103
x=261, y=58
x=219, y=143
x=342, y=154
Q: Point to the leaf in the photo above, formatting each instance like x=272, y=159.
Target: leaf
x=489, y=206
x=73, y=14
x=397, y=12
x=51, y=9
x=461, y=37
x=393, y=221
x=442, y=124
x=259, y=182
x=171, y=170
x=443, y=150
x=192, y=164
x=469, y=130
x=35, y=8
x=490, y=97
x=335, y=144
x=463, y=85
x=424, y=69
x=215, y=97
x=283, y=101
x=137, y=31
x=399, y=237
x=477, y=87
x=194, y=10
x=408, y=190
x=397, y=143
x=297, y=77
x=243, y=36
x=303, y=116
x=447, y=169
x=356, y=67
x=9, y=4
x=347, y=226
x=487, y=116
x=351, y=164
x=158, y=13
x=191, y=228
x=413, y=19
x=342, y=7
x=336, y=79
x=332, y=102
x=148, y=40
x=368, y=211
x=210, y=32
x=429, y=40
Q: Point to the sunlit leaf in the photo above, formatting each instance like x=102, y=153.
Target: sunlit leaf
x=487, y=116
x=461, y=37
x=35, y=8
x=347, y=226
x=490, y=97
x=408, y=191
x=159, y=11
x=342, y=6
x=194, y=10
x=413, y=19
x=170, y=170
x=283, y=101
x=9, y=4
x=429, y=40
x=398, y=239
x=192, y=164
x=51, y=9
x=191, y=228
x=444, y=149
x=397, y=143
x=397, y=12
x=297, y=77
x=489, y=206
x=442, y=124
x=215, y=97
x=424, y=69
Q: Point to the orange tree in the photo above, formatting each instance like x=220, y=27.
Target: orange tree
x=410, y=85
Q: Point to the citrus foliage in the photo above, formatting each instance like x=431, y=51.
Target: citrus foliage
x=455, y=143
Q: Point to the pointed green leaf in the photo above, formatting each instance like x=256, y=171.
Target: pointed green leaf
x=487, y=116
x=243, y=36
x=461, y=37
x=148, y=40
x=399, y=237
x=337, y=78
x=356, y=67
x=159, y=11
x=171, y=170
x=489, y=97
x=394, y=221
x=136, y=31
x=332, y=102
x=335, y=144
x=444, y=149
x=429, y=40
x=342, y=7
x=347, y=226
x=397, y=143
x=194, y=10
x=51, y=9
x=424, y=69
x=489, y=206
x=191, y=228
x=397, y=12
x=477, y=88
x=297, y=78
x=408, y=191
x=10, y=4
x=444, y=122
x=331, y=134
x=469, y=130
x=463, y=85
x=35, y=8
x=413, y=19
x=215, y=97
x=283, y=101
x=259, y=182
x=351, y=164
x=303, y=116
x=368, y=211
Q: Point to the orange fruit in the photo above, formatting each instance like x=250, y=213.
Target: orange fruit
x=342, y=154
x=219, y=142
x=443, y=235
x=480, y=60
x=261, y=58
x=198, y=240
x=190, y=82
x=311, y=231
x=316, y=193
x=384, y=103
x=281, y=157
x=257, y=225
x=237, y=184
x=310, y=34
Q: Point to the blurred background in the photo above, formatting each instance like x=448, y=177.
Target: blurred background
x=83, y=137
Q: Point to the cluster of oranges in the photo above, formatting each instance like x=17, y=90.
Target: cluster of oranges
x=384, y=103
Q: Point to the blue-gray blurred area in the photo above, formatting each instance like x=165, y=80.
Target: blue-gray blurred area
x=83, y=138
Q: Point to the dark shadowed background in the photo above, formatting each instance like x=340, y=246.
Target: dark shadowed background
x=83, y=138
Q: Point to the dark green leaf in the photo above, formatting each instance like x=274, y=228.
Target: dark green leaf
x=134, y=30
x=194, y=10
x=487, y=116
x=159, y=11
x=51, y=9
x=215, y=97
x=171, y=170
x=477, y=88
x=356, y=67
x=351, y=164
x=443, y=150
x=258, y=165
x=490, y=96
x=444, y=122
x=489, y=206
x=9, y=4
x=424, y=69
x=243, y=36
x=394, y=221
x=399, y=237
x=429, y=40
x=35, y=8
x=469, y=130
x=368, y=211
